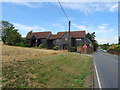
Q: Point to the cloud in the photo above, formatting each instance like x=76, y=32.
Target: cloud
x=110, y=40
x=30, y=4
x=23, y=29
x=103, y=26
x=90, y=7
x=114, y=8
x=79, y=26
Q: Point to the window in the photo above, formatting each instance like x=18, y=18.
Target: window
x=66, y=39
x=57, y=39
x=78, y=39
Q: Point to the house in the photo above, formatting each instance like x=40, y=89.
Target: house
x=60, y=39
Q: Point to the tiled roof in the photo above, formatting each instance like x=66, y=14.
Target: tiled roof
x=74, y=34
x=112, y=47
x=52, y=36
x=60, y=34
x=41, y=34
x=77, y=34
x=49, y=35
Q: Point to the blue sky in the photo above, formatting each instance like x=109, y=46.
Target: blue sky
x=98, y=17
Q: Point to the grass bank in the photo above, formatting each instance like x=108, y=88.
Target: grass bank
x=65, y=70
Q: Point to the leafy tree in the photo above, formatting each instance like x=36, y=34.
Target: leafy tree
x=30, y=32
x=119, y=40
x=9, y=34
x=91, y=37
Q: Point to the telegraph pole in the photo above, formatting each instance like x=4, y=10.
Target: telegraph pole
x=69, y=39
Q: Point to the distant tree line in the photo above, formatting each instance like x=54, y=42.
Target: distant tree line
x=11, y=36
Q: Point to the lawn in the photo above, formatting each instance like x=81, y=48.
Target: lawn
x=63, y=70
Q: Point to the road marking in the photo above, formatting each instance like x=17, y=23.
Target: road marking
x=111, y=58
x=98, y=79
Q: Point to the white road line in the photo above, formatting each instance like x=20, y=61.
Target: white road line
x=111, y=58
x=98, y=79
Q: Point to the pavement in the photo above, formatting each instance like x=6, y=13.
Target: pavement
x=106, y=70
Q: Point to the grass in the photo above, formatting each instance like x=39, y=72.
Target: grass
x=65, y=70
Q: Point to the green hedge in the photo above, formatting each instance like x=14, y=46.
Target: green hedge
x=73, y=49
x=117, y=48
x=22, y=45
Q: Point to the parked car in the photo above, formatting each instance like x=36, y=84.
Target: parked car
x=104, y=50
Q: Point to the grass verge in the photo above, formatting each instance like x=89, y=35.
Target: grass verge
x=66, y=70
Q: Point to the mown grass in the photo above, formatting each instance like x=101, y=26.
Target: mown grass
x=66, y=70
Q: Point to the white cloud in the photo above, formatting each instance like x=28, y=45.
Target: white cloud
x=23, y=29
x=30, y=4
x=111, y=40
x=103, y=26
x=114, y=8
x=79, y=26
x=90, y=7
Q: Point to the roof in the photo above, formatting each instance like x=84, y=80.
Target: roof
x=74, y=34
x=49, y=35
x=112, y=47
x=41, y=34
x=77, y=34
x=52, y=36
x=86, y=40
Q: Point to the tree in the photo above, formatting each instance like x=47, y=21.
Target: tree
x=9, y=34
x=119, y=40
x=91, y=37
x=30, y=32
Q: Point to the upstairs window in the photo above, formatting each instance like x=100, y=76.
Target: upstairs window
x=78, y=39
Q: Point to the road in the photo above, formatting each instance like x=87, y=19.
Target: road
x=107, y=69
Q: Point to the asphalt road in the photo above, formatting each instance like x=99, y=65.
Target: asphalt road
x=107, y=67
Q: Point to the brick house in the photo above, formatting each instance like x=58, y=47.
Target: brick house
x=60, y=39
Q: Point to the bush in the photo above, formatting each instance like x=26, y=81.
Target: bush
x=73, y=49
x=117, y=48
x=17, y=44
x=41, y=46
x=27, y=45
x=56, y=47
x=22, y=44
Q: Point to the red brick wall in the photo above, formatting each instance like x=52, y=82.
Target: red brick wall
x=84, y=50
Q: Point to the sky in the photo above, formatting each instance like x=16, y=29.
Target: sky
x=98, y=17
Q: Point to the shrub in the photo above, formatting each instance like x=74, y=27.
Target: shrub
x=27, y=45
x=41, y=46
x=17, y=44
x=22, y=44
x=56, y=47
x=73, y=49
x=117, y=48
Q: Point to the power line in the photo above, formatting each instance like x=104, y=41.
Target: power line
x=63, y=10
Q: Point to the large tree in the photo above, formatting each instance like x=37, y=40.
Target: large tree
x=119, y=40
x=9, y=34
x=91, y=37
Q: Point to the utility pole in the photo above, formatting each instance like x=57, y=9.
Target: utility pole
x=69, y=39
